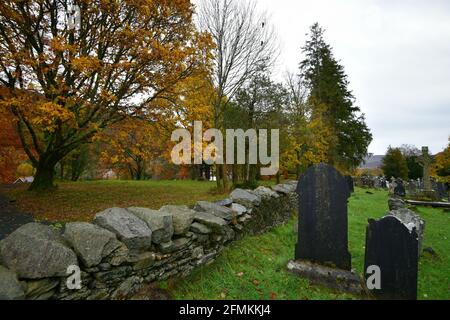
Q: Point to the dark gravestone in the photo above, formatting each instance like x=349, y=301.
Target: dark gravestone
x=322, y=227
x=442, y=190
x=350, y=183
x=392, y=247
x=399, y=189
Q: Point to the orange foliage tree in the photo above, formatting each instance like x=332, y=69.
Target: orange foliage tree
x=11, y=153
x=66, y=83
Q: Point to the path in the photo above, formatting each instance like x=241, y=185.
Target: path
x=11, y=217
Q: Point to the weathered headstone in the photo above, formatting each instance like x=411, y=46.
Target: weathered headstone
x=322, y=237
x=393, y=248
x=350, y=183
x=399, y=189
x=442, y=190
x=411, y=188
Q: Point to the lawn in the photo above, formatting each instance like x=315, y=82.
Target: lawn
x=254, y=268
x=80, y=201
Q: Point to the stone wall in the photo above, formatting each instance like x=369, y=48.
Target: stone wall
x=123, y=249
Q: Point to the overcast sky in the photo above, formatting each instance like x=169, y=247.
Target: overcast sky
x=395, y=53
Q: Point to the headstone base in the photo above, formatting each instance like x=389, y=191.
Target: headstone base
x=338, y=279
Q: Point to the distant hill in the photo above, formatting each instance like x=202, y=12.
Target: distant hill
x=372, y=162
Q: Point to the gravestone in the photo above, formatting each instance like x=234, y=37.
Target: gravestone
x=411, y=188
x=322, y=228
x=393, y=248
x=442, y=190
x=425, y=160
x=384, y=183
x=399, y=189
x=350, y=183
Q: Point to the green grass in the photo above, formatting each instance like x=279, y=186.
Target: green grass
x=76, y=201
x=254, y=268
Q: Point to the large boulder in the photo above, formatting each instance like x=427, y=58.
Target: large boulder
x=36, y=251
x=10, y=287
x=245, y=198
x=129, y=229
x=218, y=211
x=161, y=223
x=90, y=242
x=182, y=218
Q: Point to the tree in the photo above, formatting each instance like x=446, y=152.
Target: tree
x=262, y=105
x=441, y=168
x=394, y=164
x=412, y=154
x=327, y=84
x=129, y=145
x=11, y=153
x=244, y=42
x=65, y=83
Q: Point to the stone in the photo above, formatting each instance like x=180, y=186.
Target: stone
x=239, y=209
x=224, y=202
x=323, y=231
x=442, y=190
x=266, y=193
x=340, y=280
x=42, y=289
x=90, y=242
x=200, y=228
x=166, y=247
x=182, y=218
x=127, y=288
x=10, y=287
x=281, y=188
x=399, y=189
x=396, y=203
x=394, y=249
x=210, y=220
x=36, y=251
x=412, y=221
x=128, y=228
x=142, y=260
x=245, y=198
x=218, y=211
x=161, y=223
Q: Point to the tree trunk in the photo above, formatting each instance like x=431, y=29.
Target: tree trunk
x=43, y=179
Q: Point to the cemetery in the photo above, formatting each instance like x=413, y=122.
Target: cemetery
x=224, y=150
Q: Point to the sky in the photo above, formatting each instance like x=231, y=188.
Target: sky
x=396, y=55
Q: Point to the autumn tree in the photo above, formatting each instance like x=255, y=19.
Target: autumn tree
x=244, y=41
x=68, y=82
x=327, y=85
x=11, y=153
x=441, y=167
x=394, y=164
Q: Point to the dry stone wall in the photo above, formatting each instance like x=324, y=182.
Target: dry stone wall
x=125, y=248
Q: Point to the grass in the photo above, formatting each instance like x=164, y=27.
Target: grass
x=80, y=201
x=254, y=268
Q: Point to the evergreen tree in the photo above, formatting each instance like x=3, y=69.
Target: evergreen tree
x=394, y=164
x=328, y=85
